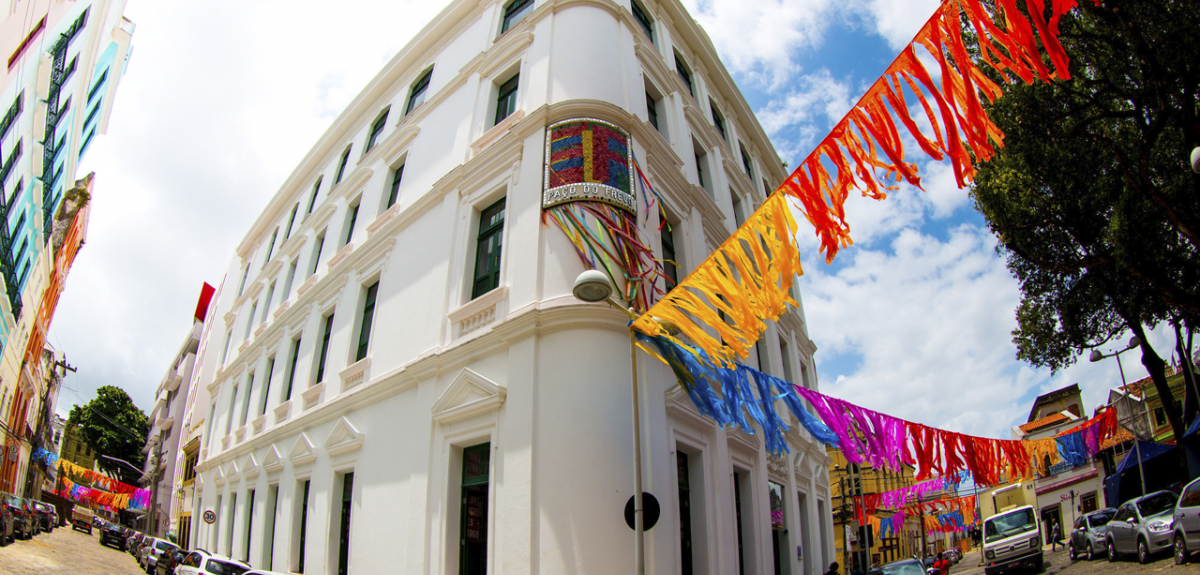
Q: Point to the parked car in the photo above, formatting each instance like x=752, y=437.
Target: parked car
x=901, y=567
x=23, y=520
x=7, y=523
x=200, y=563
x=154, y=549
x=1186, y=518
x=54, y=516
x=133, y=540
x=1011, y=539
x=1088, y=536
x=82, y=519
x=114, y=535
x=42, y=510
x=168, y=561
x=1142, y=526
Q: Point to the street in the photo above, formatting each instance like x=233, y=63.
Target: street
x=65, y=551
x=1059, y=563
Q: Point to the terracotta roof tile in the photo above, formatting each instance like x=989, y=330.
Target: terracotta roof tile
x=1121, y=436
x=1043, y=422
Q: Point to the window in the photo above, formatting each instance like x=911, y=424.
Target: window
x=229, y=414
x=417, y=96
x=473, y=520
x=351, y=219
x=685, y=74
x=250, y=320
x=376, y=130
x=739, y=210
x=639, y=14
x=267, y=388
x=787, y=363
x=700, y=169
x=217, y=525
x=96, y=87
x=506, y=98
x=1160, y=417
x=668, y=248
x=746, y=163
x=761, y=357
x=781, y=552
x=324, y=349
x=269, y=528
x=291, y=220
x=212, y=414
x=287, y=396
x=271, y=247
x=685, y=512
x=513, y=13
x=487, y=250
x=249, y=524
x=368, y=316
x=341, y=171
x=303, y=527
x=743, y=519
x=246, y=399
x=394, y=193
x=312, y=200
x=287, y=283
x=229, y=535
x=702, y=174
x=718, y=120
x=242, y=286
x=316, y=260
x=652, y=110
x=344, y=531
x=225, y=351
x=267, y=302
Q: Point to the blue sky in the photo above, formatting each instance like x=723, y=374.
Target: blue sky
x=222, y=99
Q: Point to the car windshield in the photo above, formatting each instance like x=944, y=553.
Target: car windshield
x=903, y=568
x=164, y=545
x=1157, y=503
x=1101, y=518
x=217, y=567
x=1010, y=524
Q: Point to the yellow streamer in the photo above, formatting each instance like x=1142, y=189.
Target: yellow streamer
x=747, y=279
x=1043, y=451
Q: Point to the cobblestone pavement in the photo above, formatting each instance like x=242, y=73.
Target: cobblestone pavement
x=65, y=551
x=1059, y=563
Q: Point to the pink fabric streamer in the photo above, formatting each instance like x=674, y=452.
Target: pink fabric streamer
x=897, y=498
x=863, y=435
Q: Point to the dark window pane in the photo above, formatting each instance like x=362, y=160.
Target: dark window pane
x=514, y=12
x=506, y=100
x=487, y=252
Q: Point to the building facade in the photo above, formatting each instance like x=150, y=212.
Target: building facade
x=397, y=361
x=167, y=426
x=65, y=60
x=855, y=545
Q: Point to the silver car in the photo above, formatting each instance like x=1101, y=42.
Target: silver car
x=1187, y=523
x=1088, y=537
x=1142, y=526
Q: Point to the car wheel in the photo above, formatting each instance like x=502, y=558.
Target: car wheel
x=1143, y=552
x=1071, y=550
x=1112, y=552
x=1091, y=553
x=1181, y=552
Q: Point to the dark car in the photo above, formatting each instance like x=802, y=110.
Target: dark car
x=45, y=518
x=1089, y=537
x=167, y=561
x=902, y=567
x=113, y=535
x=6, y=524
x=23, y=526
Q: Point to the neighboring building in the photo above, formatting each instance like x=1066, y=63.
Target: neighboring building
x=848, y=481
x=398, y=362
x=1140, y=407
x=75, y=450
x=58, y=425
x=1065, y=492
x=65, y=60
x=167, y=426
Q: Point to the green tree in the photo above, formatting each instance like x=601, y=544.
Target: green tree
x=1091, y=197
x=112, y=425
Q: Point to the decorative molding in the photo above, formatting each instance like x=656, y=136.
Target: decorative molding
x=470, y=394
x=340, y=256
x=242, y=348
x=218, y=476
x=301, y=318
x=239, y=434
x=395, y=145
x=355, y=373
x=229, y=317
x=321, y=216
x=250, y=467
x=496, y=131
x=344, y=438
x=272, y=268
x=383, y=218
x=352, y=184
x=292, y=246
x=302, y=451
x=477, y=313
x=258, y=423
x=312, y=395
x=282, y=308
x=231, y=470
x=272, y=462
x=225, y=442
x=307, y=285
x=375, y=258
x=260, y=329
x=282, y=411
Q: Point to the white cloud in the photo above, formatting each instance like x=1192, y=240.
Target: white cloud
x=899, y=20
x=796, y=120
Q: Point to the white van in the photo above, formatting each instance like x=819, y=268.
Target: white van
x=1012, y=540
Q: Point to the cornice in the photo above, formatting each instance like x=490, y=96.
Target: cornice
x=349, y=186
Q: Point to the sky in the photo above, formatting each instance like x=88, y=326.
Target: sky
x=222, y=99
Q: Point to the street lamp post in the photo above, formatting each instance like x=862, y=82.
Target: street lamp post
x=593, y=286
x=1097, y=356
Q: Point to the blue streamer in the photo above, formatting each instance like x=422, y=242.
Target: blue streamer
x=1073, y=449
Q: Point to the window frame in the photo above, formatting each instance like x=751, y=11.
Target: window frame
x=323, y=358
x=685, y=73
x=341, y=171
x=718, y=119
x=485, y=234
x=514, y=12
x=419, y=89
x=639, y=14
x=377, y=128
x=506, y=98
x=394, y=192
x=366, y=321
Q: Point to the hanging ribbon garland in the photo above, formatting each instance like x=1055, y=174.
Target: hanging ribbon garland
x=865, y=152
x=104, y=491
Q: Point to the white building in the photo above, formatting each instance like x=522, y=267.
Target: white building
x=401, y=380
x=164, y=452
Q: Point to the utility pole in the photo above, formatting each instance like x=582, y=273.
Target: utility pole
x=155, y=469
x=51, y=378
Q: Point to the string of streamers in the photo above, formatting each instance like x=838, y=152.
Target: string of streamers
x=864, y=152
x=102, y=490
x=897, y=498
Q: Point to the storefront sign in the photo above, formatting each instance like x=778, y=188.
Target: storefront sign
x=588, y=160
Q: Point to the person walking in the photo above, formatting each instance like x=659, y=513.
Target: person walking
x=942, y=565
x=833, y=569
x=1055, y=536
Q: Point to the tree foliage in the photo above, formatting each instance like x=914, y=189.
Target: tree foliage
x=1092, y=198
x=112, y=425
